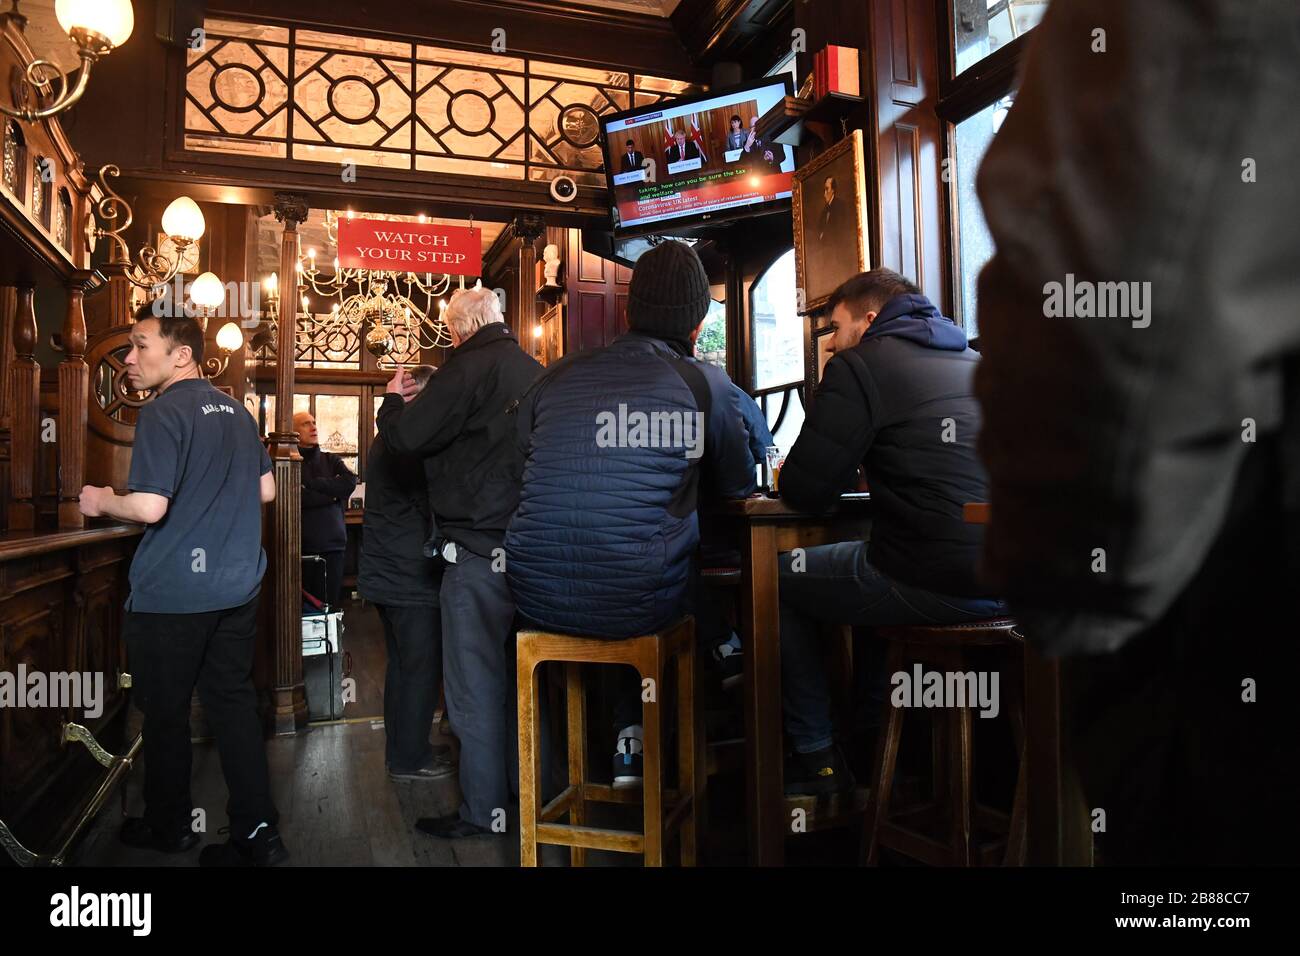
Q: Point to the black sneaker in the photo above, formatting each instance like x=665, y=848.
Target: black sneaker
x=450, y=827
x=628, y=766
x=817, y=774
x=435, y=769
x=136, y=832
x=729, y=662
x=264, y=848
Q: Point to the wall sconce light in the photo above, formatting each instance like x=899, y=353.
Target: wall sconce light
x=229, y=340
x=97, y=27
x=182, y=222
x=207, y=293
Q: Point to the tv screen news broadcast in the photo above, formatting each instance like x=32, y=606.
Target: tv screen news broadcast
x=698, y=159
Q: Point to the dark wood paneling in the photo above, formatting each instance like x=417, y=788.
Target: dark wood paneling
x=61, y=597
x=904, y=135
x=714, y=30
x=597, y=297
x=591, y=268
x=906, y=149
x=591, y=320
x=550, y=28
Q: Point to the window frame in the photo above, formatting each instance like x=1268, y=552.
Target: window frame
x=976, y=88
x=796, y=390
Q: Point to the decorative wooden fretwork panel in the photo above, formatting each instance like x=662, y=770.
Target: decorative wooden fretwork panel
x=62, y=220
x=285, y=93
x=15, y=158
x=42, y=173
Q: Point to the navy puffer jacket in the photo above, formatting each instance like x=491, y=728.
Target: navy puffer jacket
x=601, y=543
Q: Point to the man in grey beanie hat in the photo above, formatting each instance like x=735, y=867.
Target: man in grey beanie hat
x=617, y=441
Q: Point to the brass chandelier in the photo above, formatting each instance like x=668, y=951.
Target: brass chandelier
x=392, y=312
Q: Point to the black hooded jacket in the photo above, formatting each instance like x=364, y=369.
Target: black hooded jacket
x=901, y=404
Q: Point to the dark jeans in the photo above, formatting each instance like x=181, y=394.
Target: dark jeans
x=478, y=651
x=414, y=638
x=838, y=586
x=168, y=655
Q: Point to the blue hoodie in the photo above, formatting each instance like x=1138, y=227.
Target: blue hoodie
x=901, y=404
x=915, y=318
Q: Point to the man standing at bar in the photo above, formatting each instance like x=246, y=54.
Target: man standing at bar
x=402, y=583
x=896, y=400
x=326, y=484
x=199, y=476
x=460, y=426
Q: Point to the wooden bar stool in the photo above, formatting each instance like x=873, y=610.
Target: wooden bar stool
x=665, y=811
x=945, y=648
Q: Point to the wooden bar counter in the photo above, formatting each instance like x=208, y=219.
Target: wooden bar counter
x=767, y=527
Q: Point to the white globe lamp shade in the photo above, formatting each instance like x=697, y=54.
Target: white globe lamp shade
x=183, y=221
x=230, y=338
x=207, y=292
x=111, y=19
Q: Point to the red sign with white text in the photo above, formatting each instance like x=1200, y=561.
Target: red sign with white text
x=384, y=246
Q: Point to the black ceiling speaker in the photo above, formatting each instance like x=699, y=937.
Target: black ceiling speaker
x=179, y=22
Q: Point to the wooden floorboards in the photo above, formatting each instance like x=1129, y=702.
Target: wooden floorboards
x=338, y=806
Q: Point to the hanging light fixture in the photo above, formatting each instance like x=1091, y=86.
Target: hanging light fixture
x=97, y=27
x=392, y=312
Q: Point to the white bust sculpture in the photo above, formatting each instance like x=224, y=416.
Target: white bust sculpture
x=551, y=264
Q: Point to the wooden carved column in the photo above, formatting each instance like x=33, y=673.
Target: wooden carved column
x=286, y=535
x=74, y=391
x=529, y=229
x=119, y=292
x=24, y=410
x=8, y=306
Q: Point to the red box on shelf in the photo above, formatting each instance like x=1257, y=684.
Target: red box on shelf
x=841, y=70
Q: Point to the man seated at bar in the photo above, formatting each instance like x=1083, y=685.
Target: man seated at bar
x=896, y=400
x=618, y=440
x=459, y=424
x=326, y=484
x=402, y=583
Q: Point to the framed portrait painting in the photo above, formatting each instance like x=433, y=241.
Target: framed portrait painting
x=830, y=221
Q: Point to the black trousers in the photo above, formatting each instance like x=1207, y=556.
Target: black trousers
x=414, y=638
x=168, y=655
x=333, y=577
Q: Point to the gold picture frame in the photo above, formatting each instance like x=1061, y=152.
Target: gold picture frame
x=830, y=240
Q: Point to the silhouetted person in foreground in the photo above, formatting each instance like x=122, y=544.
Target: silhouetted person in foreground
x=1144, y=455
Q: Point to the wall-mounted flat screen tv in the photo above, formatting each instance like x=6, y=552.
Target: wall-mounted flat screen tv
x=688, y=162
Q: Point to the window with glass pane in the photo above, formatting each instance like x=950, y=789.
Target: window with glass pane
x=337, y=418
x=981, y=27
x=777, y=326
x=711, y=346
x=974, y=244
x=777, y=334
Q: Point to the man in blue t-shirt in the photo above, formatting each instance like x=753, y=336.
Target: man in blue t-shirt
x=199, y=476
